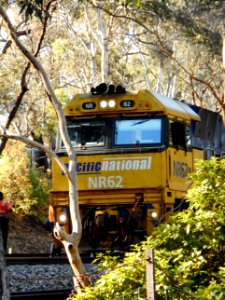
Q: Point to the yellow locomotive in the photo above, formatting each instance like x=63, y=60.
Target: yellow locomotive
x=134, y=152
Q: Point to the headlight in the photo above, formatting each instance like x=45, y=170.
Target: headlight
x=154, y=215
x=62, y=218
x=103, y=104
x=112, y=103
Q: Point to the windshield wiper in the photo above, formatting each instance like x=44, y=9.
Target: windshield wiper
x=140, y=122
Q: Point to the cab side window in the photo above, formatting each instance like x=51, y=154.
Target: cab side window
x=179, y=134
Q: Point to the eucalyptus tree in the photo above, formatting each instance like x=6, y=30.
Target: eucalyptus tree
x=190, y=36
x=19, y=102
x=95, y=45
x=70, y=241
x=169, y=46
x=181, y=45
x=202, y=23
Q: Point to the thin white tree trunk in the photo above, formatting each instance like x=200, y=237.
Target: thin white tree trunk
x=143, y=60
x=101, y=35
x=105, y=63
x=93, y=63
x=160, y=75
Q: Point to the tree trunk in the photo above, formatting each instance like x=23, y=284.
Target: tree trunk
x=93, y=64
x=70, y=243
x=101, y=35
x=4, y=290
x=105, y=63
x=223, y=64
x=160, y=75
x=142, y=57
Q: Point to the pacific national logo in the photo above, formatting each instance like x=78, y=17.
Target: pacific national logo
x=111, y=171
x=114, y=164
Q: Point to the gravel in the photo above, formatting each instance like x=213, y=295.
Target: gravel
x=23, y=278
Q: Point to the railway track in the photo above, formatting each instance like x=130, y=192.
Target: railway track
x=35, y=276
x=43, y=295
x=25, y=282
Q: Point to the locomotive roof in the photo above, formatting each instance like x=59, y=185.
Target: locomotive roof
x=175, y=107
x=145, y=101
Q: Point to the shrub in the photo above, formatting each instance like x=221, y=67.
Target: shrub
x=189, y=249
x=27, y=188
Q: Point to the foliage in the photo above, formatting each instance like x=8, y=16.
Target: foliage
x=27, y=188
x=139, y=31
x=32, y=7
x=123, y=278
x=189, y=249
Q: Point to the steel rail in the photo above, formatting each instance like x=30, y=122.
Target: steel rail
x=34, y=259
x=43, y=295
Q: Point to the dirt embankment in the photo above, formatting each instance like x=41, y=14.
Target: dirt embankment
x=27, y=236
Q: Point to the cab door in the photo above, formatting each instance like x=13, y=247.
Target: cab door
x=179, y=156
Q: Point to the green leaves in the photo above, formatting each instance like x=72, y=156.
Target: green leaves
x=27, y=188
x=189, y=250
x=197, y=253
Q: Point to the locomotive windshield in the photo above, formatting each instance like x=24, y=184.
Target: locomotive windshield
x=89, y=134
x=115, y=133
x=138, y=131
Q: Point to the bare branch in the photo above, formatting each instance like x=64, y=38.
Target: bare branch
x=169, y=54
x=37, y=145
x=24, y=87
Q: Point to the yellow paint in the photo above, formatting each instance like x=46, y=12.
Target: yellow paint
x=144, y=102
x=197, y=154
x=179, y=166
x=114, y=172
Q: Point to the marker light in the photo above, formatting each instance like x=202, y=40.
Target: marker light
x=112, y=103
x=103, y=104
x=154, y=215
